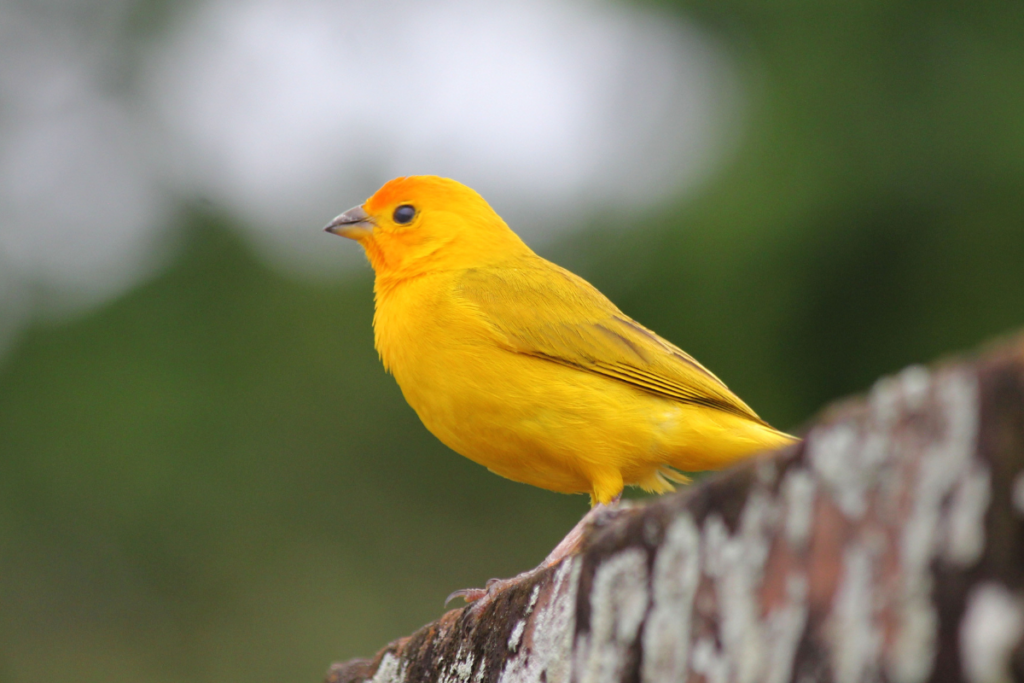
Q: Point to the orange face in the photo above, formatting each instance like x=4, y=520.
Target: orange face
x=415, y=224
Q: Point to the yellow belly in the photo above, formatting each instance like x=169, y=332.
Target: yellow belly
x=527, y=419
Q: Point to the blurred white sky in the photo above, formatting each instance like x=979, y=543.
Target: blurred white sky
x=286, y=113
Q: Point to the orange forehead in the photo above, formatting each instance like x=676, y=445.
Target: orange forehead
x=413, y=189
x=392, y=191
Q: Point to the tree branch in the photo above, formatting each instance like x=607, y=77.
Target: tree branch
x=887, y=546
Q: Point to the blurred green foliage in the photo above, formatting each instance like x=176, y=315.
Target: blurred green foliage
x=212, y=479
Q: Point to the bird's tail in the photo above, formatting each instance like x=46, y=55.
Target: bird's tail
x=737, y=442
x=728, y=441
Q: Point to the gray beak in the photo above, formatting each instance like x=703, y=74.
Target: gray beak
x=354, y=224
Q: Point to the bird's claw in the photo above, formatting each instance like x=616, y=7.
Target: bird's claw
x=467, y=594
x=477, y=595
x=570, y=545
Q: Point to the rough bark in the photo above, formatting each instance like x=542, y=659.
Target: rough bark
x=887, y=546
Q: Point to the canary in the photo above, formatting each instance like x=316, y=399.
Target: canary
x=526, y=368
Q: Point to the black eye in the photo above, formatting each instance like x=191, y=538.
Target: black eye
x=404, y=213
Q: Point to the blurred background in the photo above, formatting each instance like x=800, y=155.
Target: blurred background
x=205, y=474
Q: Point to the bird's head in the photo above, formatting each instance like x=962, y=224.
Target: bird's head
x=418, y=224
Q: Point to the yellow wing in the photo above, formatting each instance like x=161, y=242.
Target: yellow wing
x=536, y=308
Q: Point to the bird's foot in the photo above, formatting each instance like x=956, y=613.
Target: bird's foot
x=597, y=516
x=481, y=596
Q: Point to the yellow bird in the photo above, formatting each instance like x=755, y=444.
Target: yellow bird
x=526, y=368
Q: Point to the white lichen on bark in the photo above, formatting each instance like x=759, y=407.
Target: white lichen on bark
x=460, y=670
x=618, y=602
x=992, y=628
x=798, y=490
x=944, y=463
x=550, y=633
x=965, y=537
x=739, y=576
x=854, y=630
x=784, y=628
x=666, y=641
x=390, y=670
x=826, y=563
x=833, y=455
x=517, y=630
